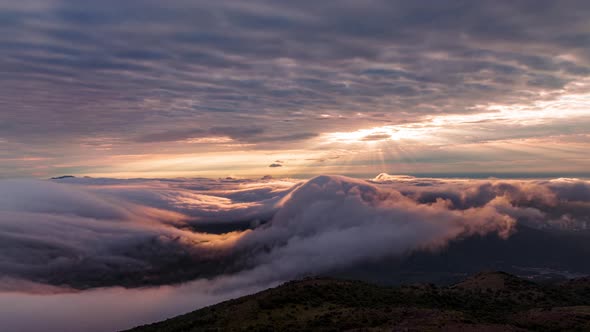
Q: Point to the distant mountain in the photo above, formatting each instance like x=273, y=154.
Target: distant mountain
x=537, y=254
x=492, y=301
x=63, y=177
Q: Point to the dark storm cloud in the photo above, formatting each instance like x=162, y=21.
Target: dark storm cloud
x=72, y=69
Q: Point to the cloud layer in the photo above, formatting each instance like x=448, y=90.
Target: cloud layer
x=234, y=236
x=106, y=80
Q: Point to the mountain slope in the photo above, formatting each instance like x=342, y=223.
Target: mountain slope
x=492, y=301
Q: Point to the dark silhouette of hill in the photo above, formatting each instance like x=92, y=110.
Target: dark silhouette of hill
x=490, y=301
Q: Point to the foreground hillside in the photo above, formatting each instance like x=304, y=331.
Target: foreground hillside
x=493, y=301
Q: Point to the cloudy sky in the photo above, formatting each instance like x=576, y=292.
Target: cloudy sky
x=293, y=88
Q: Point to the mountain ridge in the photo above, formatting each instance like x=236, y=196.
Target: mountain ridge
x=488, y=301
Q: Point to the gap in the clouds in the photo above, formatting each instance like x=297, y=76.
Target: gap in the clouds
x=222, y=228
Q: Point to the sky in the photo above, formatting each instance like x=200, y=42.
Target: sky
x=127, y=89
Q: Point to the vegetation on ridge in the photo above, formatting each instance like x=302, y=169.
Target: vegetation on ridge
x=493, y=301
